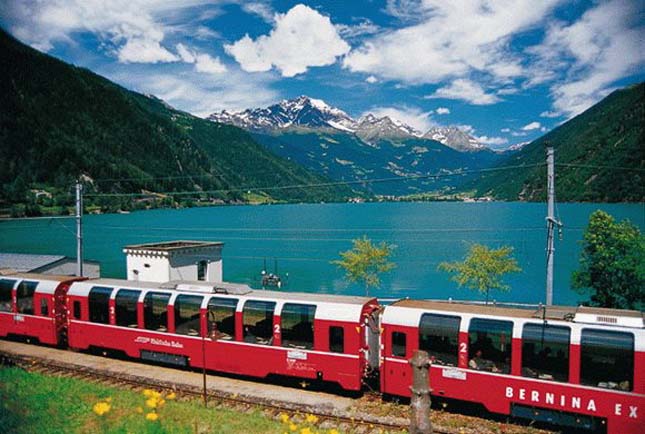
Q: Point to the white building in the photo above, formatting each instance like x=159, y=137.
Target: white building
x=175, y=260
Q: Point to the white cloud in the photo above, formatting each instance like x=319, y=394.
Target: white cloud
x=550, y=114
x=412, y=116
x=466, y=90
x=505, y=130
x=606, y=44
x=259, y=8
x=519, y=134
x=492, y=141
x=531, y=126
x=203, y=62
x=301, y=38
x=450, y=39
x=442, y=111
x=363, y=28
x=130, y=27
x=371, y=79
x=469, y=129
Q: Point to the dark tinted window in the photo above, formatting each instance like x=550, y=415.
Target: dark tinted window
x=545, y=352
x=99, y=301
x=298, y=325
x=155, y=311
x=25, y=297
x=221, y=318
x=44, y=307
x=187, y=315
x=77, y=310
x=439, y=337
x=336, y=339
x=398, y=344
x=126, y=307
x=489, y=342
x=258, y=322
x=607, y=359
x=201, y=270
x=6, y=286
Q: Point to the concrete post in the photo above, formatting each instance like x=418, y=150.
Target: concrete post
x=420, y=401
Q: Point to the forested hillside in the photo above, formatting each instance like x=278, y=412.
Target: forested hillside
x=59, y=122
x=600, y=156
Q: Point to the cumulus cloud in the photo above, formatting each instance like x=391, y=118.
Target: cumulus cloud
x=466, y=90
x=371, y=79
x=531, y=126
x=451, y=39
x=362, y=28
x=301, y=38
x=442, y=111
x=412, y=116
x=203, y=62
x=550, y=114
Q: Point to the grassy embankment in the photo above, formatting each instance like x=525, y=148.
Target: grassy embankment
x=33, y=403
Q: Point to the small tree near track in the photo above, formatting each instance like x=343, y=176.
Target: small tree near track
x=483, y=268
x=366, y=261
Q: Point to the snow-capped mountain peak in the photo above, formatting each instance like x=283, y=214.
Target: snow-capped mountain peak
x=454, y=138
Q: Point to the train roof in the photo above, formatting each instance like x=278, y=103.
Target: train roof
x=212, y=288
x=579, y=314
x=40, y=277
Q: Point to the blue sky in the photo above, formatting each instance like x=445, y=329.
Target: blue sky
x=505, y=70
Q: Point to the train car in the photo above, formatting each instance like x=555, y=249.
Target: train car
x=228, y=328
x=580, y=367
x=33, y=306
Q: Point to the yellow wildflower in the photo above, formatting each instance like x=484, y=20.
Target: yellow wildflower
x=305, y=431
x=311, y=418
x=156, y=394
x=333, y=431
x=152, y=416
x=152, y=403
x=284, y=417
x=161, y=402
x=171, y=395
x=101, y=408
x=140, y=410
x=293, y=426
x=147, y=393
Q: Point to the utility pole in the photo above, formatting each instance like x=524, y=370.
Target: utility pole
x=79, y=228
x=551, y=223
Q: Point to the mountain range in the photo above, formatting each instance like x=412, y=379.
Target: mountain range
x=59, y=122
x=382, y=154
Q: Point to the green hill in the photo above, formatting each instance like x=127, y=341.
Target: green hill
x=58, y=122
x=595, y=155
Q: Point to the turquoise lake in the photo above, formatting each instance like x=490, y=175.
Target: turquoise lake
x=304, y=238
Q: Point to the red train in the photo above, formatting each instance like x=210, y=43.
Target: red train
x=578, y=367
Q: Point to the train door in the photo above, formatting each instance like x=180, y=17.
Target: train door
x=60, y=313
x=372, y=339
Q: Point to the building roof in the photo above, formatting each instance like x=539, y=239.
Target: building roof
x=23, y=263
x=170, y=246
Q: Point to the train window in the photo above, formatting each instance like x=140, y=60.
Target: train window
x=398, y=344
x=155, y=311
x=258, y=322
x=490, y=345
x=99, y=301
x=297, y=325
x=545, y=352
x=126, y=308
x=439, y=337
x=336, y=339
x=6, y=286
x=77, y=310
x=201, y=270
x=221, y=318
x=607, y=359
x=44, y=307
x=187, y=315
x=25, y=297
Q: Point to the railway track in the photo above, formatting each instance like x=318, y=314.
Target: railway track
x=361, y=423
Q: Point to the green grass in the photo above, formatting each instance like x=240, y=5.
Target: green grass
x=33, y=403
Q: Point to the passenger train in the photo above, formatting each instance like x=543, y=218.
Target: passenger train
x=576, y=367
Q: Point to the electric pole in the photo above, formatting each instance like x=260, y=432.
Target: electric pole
x=79, y=228
x=551, y=223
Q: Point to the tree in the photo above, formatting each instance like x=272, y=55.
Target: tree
x=482, y=268
x=365, y=262
x=612, y=263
